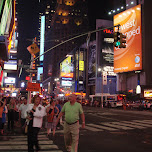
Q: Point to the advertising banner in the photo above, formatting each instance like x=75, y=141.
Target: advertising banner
x=147, y=93
x=129, y=58
x=66, y=68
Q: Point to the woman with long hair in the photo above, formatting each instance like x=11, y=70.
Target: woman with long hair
x=35, y=116
x=11, y=114
x=52, y=111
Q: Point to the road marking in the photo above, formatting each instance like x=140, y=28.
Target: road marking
x=20, y=143
x=128, y=125
x=144, y=121
x=116, y=126
x=91, y=128
x=102, y=127
x=148, y=121
x=138, y=123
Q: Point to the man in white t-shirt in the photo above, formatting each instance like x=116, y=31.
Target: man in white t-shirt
x=23, y=112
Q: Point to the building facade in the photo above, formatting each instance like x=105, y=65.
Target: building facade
x=69, y=19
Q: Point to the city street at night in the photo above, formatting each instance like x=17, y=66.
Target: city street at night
x=75, y=76
x=106, y=130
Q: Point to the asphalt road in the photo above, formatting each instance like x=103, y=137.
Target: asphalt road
x=107, y=130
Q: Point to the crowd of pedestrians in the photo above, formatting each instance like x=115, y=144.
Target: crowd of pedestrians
x=37, y=115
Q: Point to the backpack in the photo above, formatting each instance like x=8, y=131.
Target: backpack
x=50, y=116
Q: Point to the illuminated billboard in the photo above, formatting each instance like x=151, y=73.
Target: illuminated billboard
x=66, y=68
x=129, y=58
x=9, y=80
x=10, y=65
x=66, y=83
x=147, y=93
x=5, y=16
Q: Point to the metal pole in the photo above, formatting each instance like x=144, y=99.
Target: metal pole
x=87, y=62
x=102, y=90
x=90, y=32
x=29, y=92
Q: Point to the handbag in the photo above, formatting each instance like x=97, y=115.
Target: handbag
x=26, y=129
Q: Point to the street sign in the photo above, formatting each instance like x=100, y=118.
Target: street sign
x=33, y=86
x=26, y=66
x=31, y=70
x=33, y=48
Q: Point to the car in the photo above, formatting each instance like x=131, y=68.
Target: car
x=136, y=105
x=147, y=105
x=113, y=104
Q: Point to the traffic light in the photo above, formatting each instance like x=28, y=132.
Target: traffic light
x=116, y=36
x=122, y=41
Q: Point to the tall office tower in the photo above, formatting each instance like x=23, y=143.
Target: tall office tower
x=69, y=19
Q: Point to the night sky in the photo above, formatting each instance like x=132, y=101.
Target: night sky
x=28, y=22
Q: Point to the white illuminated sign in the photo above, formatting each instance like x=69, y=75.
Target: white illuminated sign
x=138, y=89
x=9, y=80
x=66, y=83
x=109, y=70
x=10, y=65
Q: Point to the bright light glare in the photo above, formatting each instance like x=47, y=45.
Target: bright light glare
x=120, y=15
x=132, y=2
x=118, y=9
x=109, y=13
x=122, y=7
x=99, y=69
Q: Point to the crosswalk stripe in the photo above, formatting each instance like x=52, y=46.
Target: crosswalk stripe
x=16, y=147
x=103, y=127
x=116, y=126
x=143, y=121
x=148, y=121
x=91, y=128
x=128, y=125
x=19, y=143
x=137, y=123
x=96, y=126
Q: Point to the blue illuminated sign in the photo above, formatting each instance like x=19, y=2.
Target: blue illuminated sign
x=42, y=37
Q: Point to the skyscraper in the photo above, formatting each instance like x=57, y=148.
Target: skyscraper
x=69, y=18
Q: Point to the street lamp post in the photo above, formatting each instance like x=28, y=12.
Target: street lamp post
x=100, y=70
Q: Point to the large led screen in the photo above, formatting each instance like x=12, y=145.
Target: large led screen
x=129, y=58
x=66, y=68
